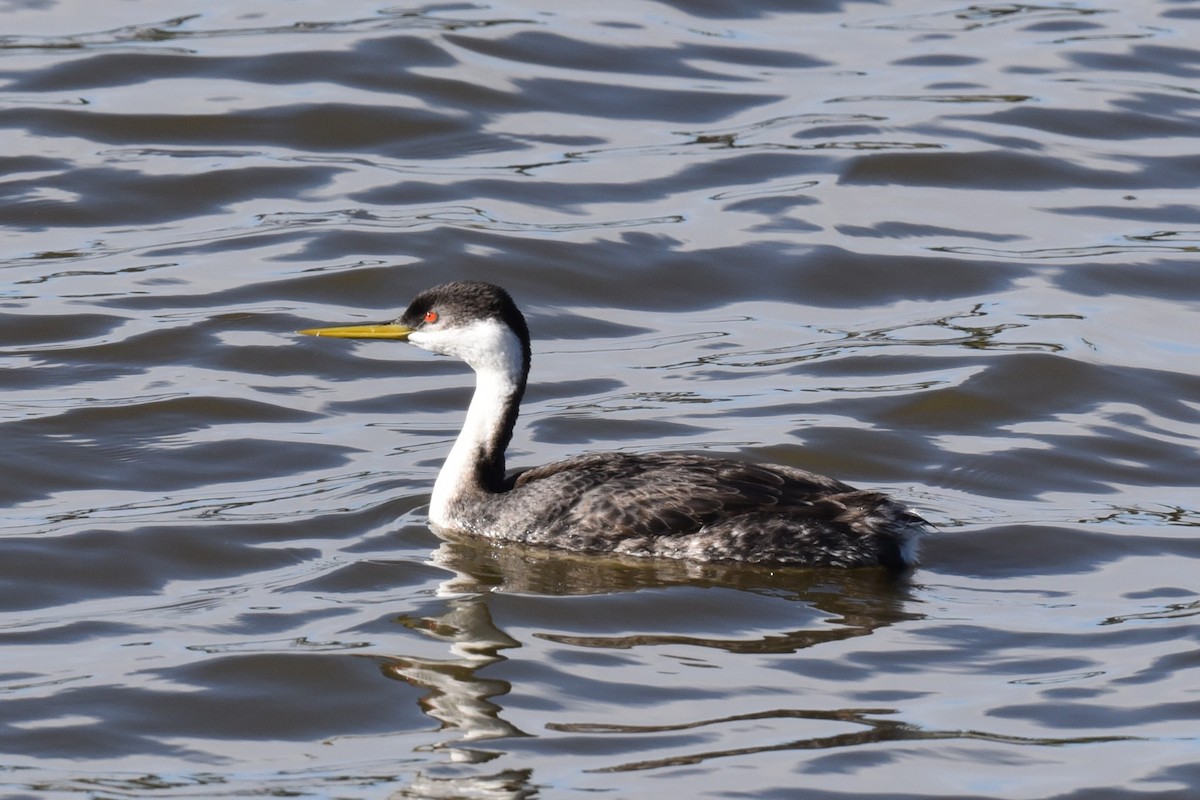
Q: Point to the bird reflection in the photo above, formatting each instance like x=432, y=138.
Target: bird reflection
x=511, y=784
x=464, y=700
x=461, y=701
x=860, y=600
x=458, y=698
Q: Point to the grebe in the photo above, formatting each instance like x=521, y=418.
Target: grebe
x=672, y=505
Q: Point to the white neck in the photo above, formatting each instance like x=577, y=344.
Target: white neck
x=481, y=429
x=495, y=354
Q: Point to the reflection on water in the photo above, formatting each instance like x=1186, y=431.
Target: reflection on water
x=942, y=250
x=875, y=731
x=457, y=697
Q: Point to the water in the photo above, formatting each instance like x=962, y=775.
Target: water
x=944, y=250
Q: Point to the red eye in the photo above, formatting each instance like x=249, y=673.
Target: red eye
x=431, y=316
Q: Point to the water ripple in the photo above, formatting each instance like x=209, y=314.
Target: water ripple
x=946, y=251
x=974, y=17
x=453, y=216
x=152, y=35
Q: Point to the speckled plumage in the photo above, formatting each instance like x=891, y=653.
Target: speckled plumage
x=672, y=505
x=682, y=505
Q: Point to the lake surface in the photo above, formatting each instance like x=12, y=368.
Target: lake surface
x=951, y=251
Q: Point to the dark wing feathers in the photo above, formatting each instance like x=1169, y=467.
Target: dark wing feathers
x=698, y=507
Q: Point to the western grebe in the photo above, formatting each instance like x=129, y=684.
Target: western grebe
x=672, y=505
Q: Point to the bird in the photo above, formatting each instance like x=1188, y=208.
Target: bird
x=675, y=505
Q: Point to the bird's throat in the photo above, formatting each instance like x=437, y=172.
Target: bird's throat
x=475, y=465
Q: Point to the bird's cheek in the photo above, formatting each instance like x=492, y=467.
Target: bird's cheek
x=428, y=340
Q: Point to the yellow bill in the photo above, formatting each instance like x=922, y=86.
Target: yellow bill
x=389, y=330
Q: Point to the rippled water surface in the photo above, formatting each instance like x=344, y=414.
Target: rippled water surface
x=947, y=250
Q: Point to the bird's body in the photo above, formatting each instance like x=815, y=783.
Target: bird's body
x=673, y=505
x=696, y=507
